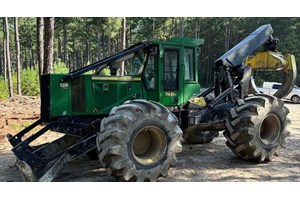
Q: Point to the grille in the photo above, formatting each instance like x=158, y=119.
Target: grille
x=78, y=95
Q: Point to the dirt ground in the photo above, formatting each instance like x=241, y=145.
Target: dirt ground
x=212, y=162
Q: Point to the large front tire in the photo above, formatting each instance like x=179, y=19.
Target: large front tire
x=257, y=127
x=139, y=141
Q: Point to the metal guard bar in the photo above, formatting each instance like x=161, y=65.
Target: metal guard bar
x=107, y=60
x=33, y=161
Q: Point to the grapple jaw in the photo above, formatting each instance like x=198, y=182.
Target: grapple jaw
x=26, y=171
x=43, y=163
x=267, y=61
x=46, y=174
x=289, y=79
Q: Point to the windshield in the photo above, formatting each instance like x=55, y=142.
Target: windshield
x=296, y=87
x=133, y=65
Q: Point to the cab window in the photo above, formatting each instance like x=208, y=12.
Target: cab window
x=189, y=64
x=171, y=63
x=150, y=74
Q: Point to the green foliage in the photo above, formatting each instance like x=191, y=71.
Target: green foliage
x=30, y=82
x=105, y=72
x=258, y=81
x=3, y=89
x=29, y=85
x=84, y=38
x=60, y=68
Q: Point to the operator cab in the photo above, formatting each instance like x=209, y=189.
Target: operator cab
x=168, y=70
x=174, y=66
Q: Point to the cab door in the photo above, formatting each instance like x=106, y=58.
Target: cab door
x=170, y=76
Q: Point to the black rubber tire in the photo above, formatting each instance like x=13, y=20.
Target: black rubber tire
x=295, y=99
x=157, y=132
x=257, y=127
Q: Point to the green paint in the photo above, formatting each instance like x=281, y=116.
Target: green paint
x=173, y=84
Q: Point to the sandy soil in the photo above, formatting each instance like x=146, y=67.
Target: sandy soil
x=197, y=163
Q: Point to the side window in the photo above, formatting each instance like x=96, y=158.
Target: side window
x=189, y=65
x=151, y=72
x=276, y=86
x=171, y=62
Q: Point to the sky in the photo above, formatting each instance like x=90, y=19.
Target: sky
x=149, y=8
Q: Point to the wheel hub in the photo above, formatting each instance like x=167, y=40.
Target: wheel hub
x=270, y=129
x=149, y=145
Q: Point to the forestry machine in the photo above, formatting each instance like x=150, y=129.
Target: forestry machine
x=137, y=122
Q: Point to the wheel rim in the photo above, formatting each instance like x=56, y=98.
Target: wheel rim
x=295, y=99
x=149, y=145
x=270, y=129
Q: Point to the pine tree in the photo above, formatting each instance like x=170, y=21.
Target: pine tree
x=48, y=46
x=8, y=66
x=18, y=61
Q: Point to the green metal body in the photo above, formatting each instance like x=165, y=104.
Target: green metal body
x=96, y=95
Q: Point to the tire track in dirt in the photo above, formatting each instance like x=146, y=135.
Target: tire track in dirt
x=197, y=163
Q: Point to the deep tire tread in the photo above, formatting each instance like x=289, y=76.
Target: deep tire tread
x=113, y=139
x=242, y=127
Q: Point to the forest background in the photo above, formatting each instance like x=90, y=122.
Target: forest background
x=79, y=41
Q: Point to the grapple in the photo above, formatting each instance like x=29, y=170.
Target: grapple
x=44, y=162
x=273, y=60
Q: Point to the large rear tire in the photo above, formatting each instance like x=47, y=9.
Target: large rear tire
x=257, y=127
x=139, y=141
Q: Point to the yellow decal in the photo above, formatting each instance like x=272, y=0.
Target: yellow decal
x=116, y=78
x=170, y=94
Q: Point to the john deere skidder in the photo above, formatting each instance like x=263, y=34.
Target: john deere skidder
x=135, y=122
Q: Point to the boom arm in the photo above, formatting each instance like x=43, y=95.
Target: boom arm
x=269, y=59
x=236, y=55
x=133, y=49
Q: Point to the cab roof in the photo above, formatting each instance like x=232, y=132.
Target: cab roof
x=186, y=41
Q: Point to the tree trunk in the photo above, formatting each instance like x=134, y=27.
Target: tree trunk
x=65, y=40
x=1, y=66
x=104, y=53
x=18, y=61
x=4, y=53
x=153, y=28
x=164, y=29
x=81, y=59
x=6, y=35
x=40, y=43
x=227, y=37
x=60, y=56
x=87, y=45
x=196, y=27
x=74, y=60
x=25, y=65
x=175, y=29
x=129, y=36
x=32, y=59
x=123, y=43
x=108, y=46
x=98, y=43
x=181, y=26
x=48, y=48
